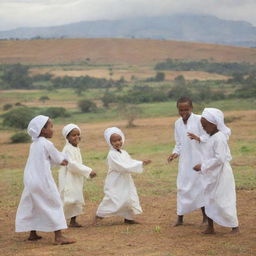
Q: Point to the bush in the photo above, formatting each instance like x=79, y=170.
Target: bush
x=20, y=137
x=18, y=117
x=87, y=106
x=7, y=107
x=44, y=98
x=54, y=112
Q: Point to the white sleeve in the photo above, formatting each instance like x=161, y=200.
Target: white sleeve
x=56, y=157
x=177, y=147
x=218, y=159
x=130, y=165
x=77, y=168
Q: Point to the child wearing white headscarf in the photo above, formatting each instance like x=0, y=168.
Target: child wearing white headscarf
x=121, y=198
x=71, y=177
x=40, y=207
x=218, y=179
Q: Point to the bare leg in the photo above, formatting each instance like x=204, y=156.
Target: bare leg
x=73, y=223
x=60, y=239
x=33, y=236
x=210, y=228
x=179, y=221
x=205, y=219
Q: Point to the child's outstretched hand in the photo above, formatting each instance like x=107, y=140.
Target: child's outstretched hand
x=193, y=136
x=93, y=174
x=172, y=156
x=197, y=167
x=64, y=162
x=145, y=162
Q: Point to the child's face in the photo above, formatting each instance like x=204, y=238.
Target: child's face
x=210, y=128
x=74, y=137
x=116, y=141
x=47, y=131
x=185, y=110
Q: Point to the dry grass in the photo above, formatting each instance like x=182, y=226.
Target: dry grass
x=117, y=51
x=152, y=138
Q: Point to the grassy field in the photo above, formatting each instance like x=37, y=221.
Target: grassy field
x=152, y=138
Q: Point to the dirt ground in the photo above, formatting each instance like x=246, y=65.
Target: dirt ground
x=155, y=236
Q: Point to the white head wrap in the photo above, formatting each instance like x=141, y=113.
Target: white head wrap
x=36, y=125
x=109, y=131
x=215, y=116
x=68, y=128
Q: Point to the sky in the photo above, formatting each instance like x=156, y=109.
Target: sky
x=40, y=13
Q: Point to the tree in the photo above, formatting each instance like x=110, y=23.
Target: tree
x=160, y=76
x=18, y=117
x=87, y=106
x=16, y=76
x=44, y=98
x=130, y=112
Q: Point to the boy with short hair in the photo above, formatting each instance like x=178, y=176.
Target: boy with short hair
x=188, y=134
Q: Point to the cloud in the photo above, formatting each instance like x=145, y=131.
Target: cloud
x=20, y=13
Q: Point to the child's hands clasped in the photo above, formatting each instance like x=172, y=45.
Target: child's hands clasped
x=197, y=167
x=93, y=174
x=146, y=162
x=64, y=162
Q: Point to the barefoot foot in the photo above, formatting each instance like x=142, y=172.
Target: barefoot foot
x=74, y=225
x=64, y=240
x=209, y=231
x=131, y=222
x=33, y=236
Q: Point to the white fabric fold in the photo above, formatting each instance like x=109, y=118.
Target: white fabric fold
x=36, y=125
x=216, y=116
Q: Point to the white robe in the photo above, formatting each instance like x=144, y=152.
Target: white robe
x=40, y=207
x=71, y=181
x=121, y=198
x=189, y=182
x=218, y=181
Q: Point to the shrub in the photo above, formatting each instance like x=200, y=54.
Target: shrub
x=7, y=107
x=87, y=106
x=54, y=112
x=18, y=117
x=44, y=98
x=20, y=137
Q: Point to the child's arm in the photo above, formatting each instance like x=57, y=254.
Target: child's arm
x=177, y=148
x=129, y=165
x=219, y=158
x=79, y=169
x=56, y=157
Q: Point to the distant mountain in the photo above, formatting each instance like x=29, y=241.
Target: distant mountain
x=182, y=27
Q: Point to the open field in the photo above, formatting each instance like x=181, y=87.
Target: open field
x=153, y=139
x=117, y=51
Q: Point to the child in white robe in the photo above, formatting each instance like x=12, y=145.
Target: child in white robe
x=40, y=207
x=218, y=179
x=121, y=198
x=71, y=177
x=189, y=134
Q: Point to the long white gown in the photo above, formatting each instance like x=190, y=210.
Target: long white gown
x=121, y=198
x=189, y=183
x=40, y=207
x=218, y=181
x=71, y=181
